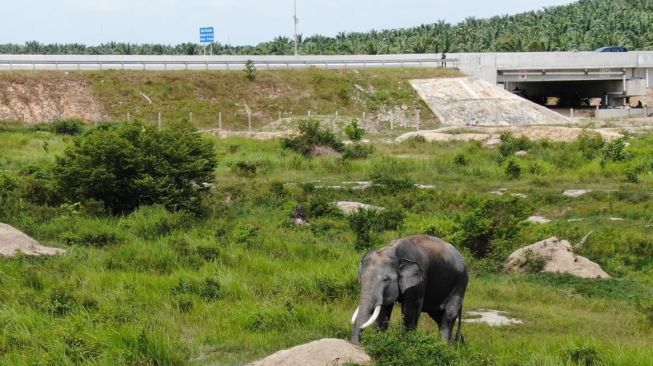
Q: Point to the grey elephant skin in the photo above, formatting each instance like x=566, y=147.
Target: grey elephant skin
x=422, y=273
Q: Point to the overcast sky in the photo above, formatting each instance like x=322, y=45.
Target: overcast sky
x=238, y=22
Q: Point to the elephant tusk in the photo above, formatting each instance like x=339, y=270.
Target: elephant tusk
x=353, y=318
x=375, y=315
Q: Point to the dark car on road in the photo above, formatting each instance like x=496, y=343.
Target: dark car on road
x=612, y=49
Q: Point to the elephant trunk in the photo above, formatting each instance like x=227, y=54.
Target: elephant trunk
x=364, y=316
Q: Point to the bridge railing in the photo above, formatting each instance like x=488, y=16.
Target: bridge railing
x=37, y=63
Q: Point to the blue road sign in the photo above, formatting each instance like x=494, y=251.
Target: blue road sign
x=206, y=35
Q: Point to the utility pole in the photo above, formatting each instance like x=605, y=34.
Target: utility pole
x=296, y=20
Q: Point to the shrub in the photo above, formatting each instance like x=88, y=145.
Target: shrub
x=244, y=233
x=590, y=143
x=534, y=262
x=389, y=219
x=487, y=220
x=61, y=303
x=461, y=160
x=513, y=169
x=151, y=222
x=250, y=70
x=67, y=127
x=311, y=135
x=94, y=234
x=510, y=145
x=362, y=222
x=354, y=132
x=584, y=355
x=632, y=177
x=38, y=186
x=318, y=206
x=408, y=348
x=389, y=184
x=615, y=152
x=131, y=164
x=357, y=151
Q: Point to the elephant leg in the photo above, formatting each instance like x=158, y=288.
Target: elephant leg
x=384, y=317
x=449, y=317
x=411, y=309
x=437, y=317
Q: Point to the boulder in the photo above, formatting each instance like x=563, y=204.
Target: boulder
x=558, y=257
x=575, y=193
x=14, y=241
x=350, y=207
x=325, y=352
x=538, y=220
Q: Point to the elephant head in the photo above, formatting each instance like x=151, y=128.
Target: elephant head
x=384, y=276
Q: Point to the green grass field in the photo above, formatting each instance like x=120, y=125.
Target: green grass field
x=160, y=288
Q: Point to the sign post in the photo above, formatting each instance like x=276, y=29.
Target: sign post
x=207, y=36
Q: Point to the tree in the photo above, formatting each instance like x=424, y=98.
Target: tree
x=131, y=164
x=250, y=70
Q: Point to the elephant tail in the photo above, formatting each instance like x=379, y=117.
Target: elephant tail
x=459, y=335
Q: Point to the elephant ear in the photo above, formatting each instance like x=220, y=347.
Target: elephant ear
x=410, y=274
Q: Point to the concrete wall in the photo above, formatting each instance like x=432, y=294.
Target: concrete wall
x=623, y=113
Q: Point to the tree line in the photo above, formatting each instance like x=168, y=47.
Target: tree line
x=584, y=25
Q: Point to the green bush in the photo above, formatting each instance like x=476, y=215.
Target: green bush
x=487, y=220
x=37, y=185
x=633, y=177
x=461, y=160
x=615, y=152
x=130, y=165
x=513, y=169
x=584, y=355
x=408, y=348
x=319, y=205
x=590, y=143
x=250, y=70
x=361, y=223
x=245, y=233
x=151, y=222
x=311, y=135
x=354, y=132
x=364, y=223
x=510, y=145
x=357, y=151
x=67, y=127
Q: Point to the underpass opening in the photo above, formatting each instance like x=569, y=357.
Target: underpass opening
x=584, y=95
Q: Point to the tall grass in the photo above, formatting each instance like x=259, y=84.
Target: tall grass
x=161, y=288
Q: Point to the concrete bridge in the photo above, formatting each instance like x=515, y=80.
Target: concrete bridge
x=572, y=76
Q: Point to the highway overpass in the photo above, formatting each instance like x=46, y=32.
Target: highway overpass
x=572, y=76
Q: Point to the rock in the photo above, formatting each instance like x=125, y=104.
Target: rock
x=575, y=193
x=298, y=216
x=325, y=352
x=521, y=153
x=493, y=318
x=359, y=185
x=558, y=257
x=13, y=241
x=351, y=207
x=425, y=186
x=617, y=219
x=538, y=220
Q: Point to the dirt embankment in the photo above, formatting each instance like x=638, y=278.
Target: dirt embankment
x=45, y=97
x=206, y=97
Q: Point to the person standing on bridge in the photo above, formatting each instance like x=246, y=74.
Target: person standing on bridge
x=443, y=57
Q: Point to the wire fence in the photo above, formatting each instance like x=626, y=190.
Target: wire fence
x=251, y=121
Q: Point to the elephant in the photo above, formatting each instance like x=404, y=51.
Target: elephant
x=422, y=273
